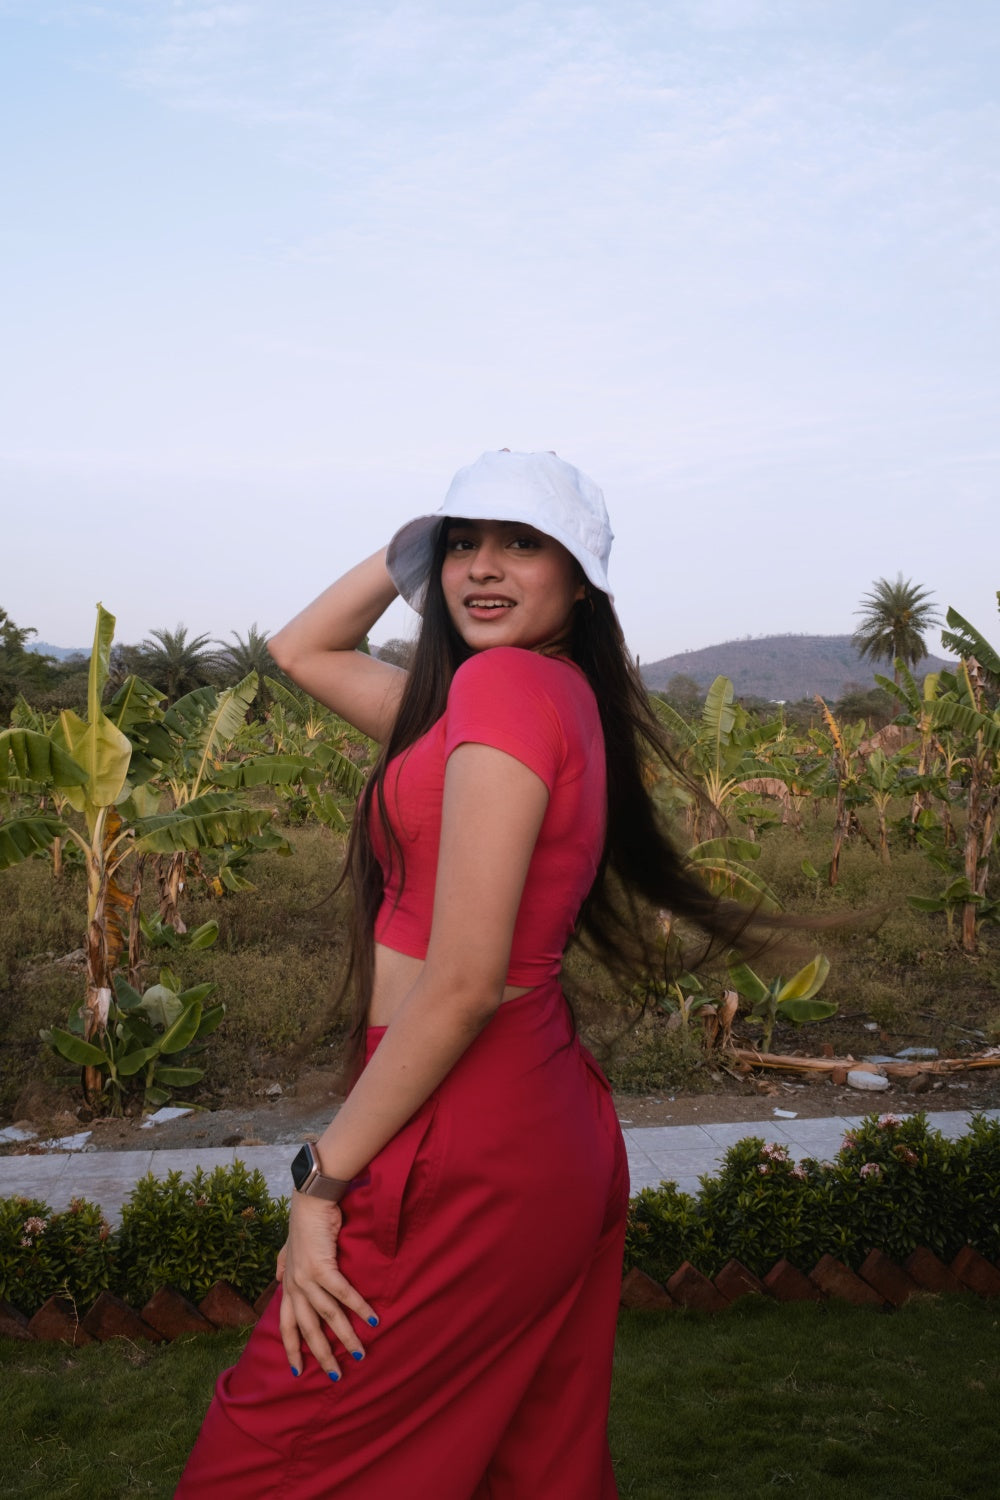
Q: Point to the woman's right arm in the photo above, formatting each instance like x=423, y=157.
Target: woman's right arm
x=318, y=650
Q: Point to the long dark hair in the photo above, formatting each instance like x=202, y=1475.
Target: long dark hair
x=641, y=870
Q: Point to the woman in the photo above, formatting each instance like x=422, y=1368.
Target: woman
x=450, y=1282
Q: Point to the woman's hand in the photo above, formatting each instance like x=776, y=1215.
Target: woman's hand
x=314, y=1293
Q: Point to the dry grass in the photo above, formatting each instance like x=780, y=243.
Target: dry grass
x=280, y=947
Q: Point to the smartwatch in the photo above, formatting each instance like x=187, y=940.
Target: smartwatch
x=308, y=1178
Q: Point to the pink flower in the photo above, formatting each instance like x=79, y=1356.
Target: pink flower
x=799, y=1171
x=889, y=1122
x=849, y=1142
x=763, y=1169
x=34, y=1225
x=871, y=1169
x=905, y=1154
x=26, y=1244
x=775, y=1152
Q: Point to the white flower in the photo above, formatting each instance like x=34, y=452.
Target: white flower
x=871, y=1169
x=889, y=1122
x=34, y=1225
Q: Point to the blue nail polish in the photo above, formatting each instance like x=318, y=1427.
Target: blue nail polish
x=333, y=1375
x=294, y=1370
x=356, y=1354
x=373, y=1321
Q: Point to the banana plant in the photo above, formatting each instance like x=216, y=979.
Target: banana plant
x=149, y=1040
x=724, y=866
x=783, y=999
x=719, y=752
x=883, y=778
x=968, y=707
x=839, y=746
x=94, y=765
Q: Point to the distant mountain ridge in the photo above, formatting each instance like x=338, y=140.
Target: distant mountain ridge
x=59, y=652
x=780, y=667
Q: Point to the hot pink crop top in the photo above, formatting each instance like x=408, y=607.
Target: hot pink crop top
x=541, y=710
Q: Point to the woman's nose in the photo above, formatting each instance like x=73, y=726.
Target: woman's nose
x=487, y=560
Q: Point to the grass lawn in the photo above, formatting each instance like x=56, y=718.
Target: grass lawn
x=824, y=1403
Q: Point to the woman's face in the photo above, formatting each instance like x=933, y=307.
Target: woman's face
x=506, y=584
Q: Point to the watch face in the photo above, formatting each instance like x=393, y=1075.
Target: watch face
x=303, y=1167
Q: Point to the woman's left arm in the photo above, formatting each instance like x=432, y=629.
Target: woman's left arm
x=492, y=811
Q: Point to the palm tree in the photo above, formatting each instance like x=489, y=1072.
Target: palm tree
x=246, y=656
x=177, y=665
x=894, y=617
x=238, y=660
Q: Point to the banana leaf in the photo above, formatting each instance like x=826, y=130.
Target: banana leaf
x=37, y=759
x=206, y=822
x=20, y=838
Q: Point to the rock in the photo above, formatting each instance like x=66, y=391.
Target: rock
x=858, y=1078
x=918, y=1084
x=68, y=1142
x=917, y=1054
x=10, y=1135
x=274, y=1091
x=838, y=1076
x=879, y=1057
x=871, y=1025
x=162, y=1116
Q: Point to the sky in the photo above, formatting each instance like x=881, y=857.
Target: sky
x=273, y=269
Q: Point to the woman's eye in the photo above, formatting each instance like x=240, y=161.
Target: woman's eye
x=526, y=542
x=458, y=544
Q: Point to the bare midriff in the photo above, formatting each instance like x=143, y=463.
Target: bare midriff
x=395, y=975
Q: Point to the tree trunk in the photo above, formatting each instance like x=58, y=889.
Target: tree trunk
x=841, y=818
x=134, y=929
x=170, y=880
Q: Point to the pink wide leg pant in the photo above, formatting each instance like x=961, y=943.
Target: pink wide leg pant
x=488, y=1236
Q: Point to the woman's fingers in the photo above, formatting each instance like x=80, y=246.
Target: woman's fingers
x=310, y=1312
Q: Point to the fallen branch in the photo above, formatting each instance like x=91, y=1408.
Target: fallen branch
x=750, y=1057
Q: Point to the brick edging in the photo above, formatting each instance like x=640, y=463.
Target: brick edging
x=878, y=1282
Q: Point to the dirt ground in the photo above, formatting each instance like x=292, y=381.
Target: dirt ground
x=303, y=1109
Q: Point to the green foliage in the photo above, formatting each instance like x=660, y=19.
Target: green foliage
x=895, y=1184
x=191, y=1233
x=45, y=1254
x=218, y=1226
x=790, y=999
x=149, y=1040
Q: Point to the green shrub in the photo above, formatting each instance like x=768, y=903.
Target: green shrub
x=218, y=1226
x=44, y=1254
x=896, y=1184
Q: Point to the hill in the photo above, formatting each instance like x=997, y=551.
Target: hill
x=61, y=653
x=779, y=667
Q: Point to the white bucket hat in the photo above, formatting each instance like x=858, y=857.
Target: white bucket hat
x=537, y=488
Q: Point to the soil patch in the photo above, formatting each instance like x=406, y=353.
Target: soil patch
x=303, y=1109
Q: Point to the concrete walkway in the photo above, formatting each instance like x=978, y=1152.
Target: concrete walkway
x=681, y=1153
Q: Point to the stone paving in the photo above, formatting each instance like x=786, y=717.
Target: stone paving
x=681, y=1153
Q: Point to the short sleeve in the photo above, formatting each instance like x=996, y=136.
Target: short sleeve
x=505, y=697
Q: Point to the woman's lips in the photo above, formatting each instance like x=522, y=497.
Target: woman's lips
x=487, y=606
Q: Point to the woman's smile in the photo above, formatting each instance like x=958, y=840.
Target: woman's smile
x=505, y=583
